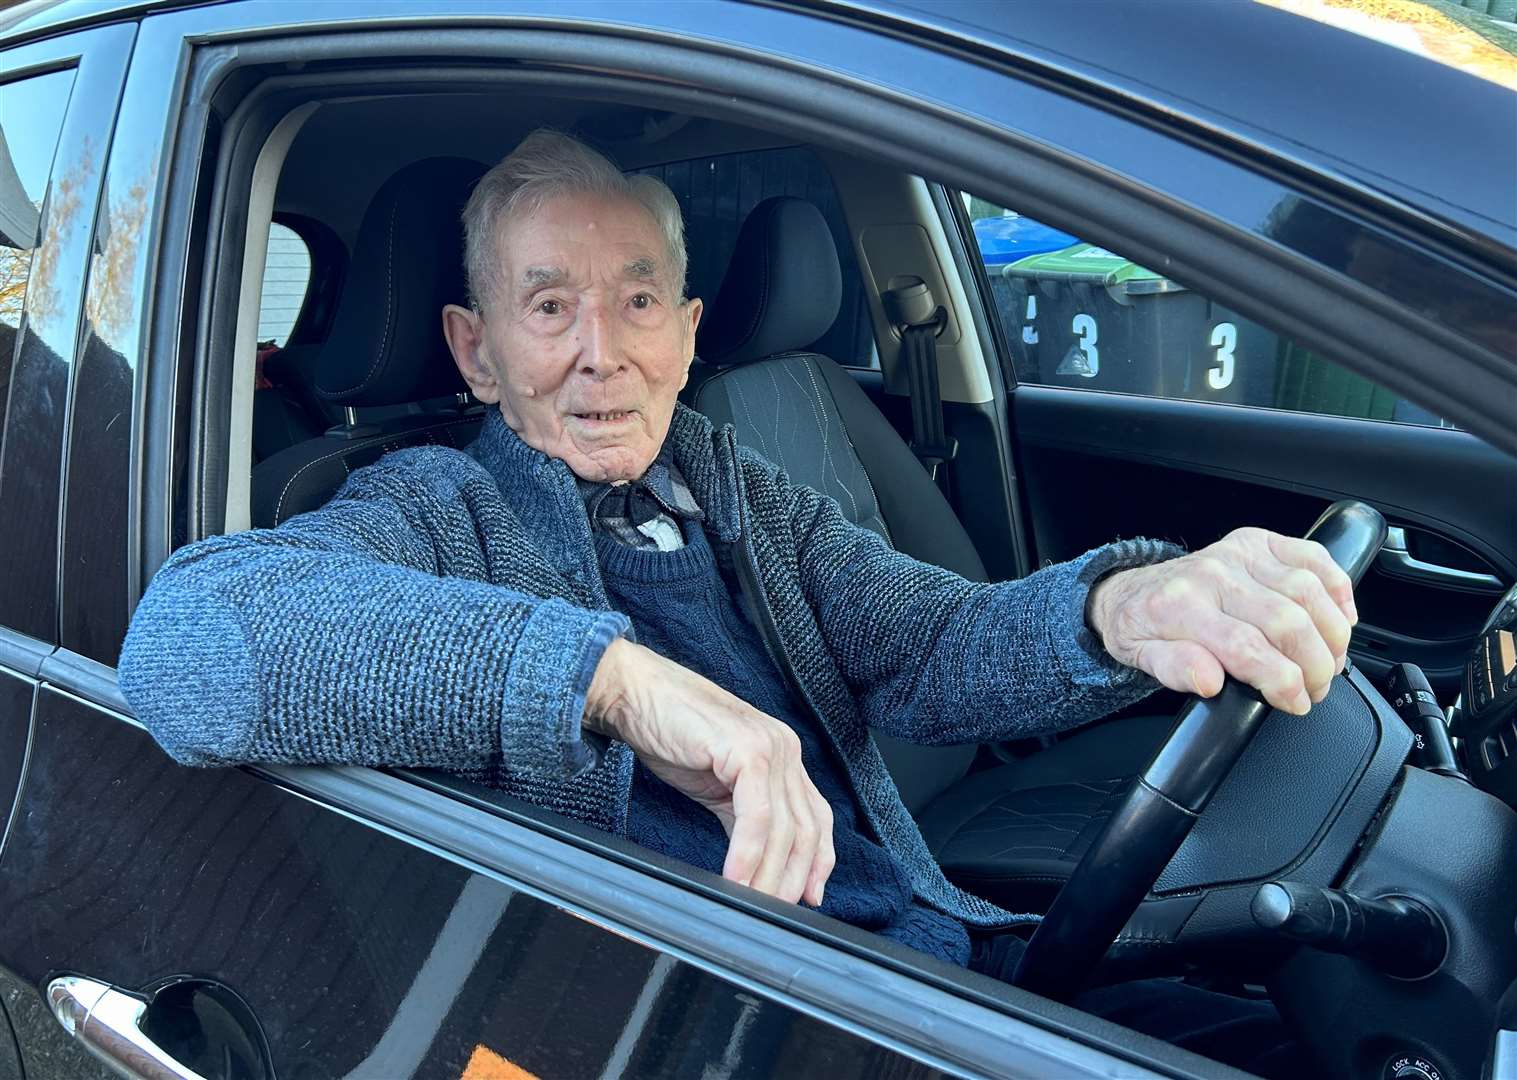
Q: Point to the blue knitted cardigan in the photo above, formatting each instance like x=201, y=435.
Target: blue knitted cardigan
x=446, y=609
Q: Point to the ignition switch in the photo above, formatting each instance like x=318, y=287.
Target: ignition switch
x=1411, y=1067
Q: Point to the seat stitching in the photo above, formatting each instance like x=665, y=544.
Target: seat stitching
x=779, y=416
x=279, y=506
x=389, y=298
x=741, y=398
x=820, y=418
x=991, y=879
x=752, y=417
x=1102, y=813
x=827, y=420
x=737, y=393
x=878, y=514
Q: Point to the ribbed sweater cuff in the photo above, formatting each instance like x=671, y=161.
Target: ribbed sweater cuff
x=1089, y=664
x=550, y=676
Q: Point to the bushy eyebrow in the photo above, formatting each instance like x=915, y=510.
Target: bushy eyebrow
x=541, y=277
x=644, y=269
x=533, y=278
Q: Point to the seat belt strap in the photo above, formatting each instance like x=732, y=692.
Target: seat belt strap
x=919, y=319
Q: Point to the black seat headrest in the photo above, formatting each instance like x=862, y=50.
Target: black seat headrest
x=782, y=290
x=386, y=345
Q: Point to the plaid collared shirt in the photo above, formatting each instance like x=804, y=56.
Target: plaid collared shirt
x=643, y=513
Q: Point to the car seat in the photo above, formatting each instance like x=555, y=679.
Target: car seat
x=386, y=346
x=1011, y=833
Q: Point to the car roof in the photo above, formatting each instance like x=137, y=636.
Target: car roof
x=1436, y=138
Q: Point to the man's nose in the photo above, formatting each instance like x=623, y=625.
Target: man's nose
x=600, y=354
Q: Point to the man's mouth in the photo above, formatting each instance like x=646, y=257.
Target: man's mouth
x=612, y=417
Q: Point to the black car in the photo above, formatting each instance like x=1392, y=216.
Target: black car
x=1185, y=267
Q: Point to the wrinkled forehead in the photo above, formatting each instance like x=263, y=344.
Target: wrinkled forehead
x=579, y=240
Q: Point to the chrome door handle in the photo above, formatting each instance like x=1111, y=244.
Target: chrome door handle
x=108, y=1023
x=1396, y=560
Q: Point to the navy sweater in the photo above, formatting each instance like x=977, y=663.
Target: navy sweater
x=682, y=609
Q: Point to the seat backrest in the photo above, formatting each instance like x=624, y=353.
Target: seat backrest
x=386, y=347
x=804, y=412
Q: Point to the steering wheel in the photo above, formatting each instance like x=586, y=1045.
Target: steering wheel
x=1208, y=737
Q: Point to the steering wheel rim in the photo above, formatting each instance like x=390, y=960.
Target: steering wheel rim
x=1165, y=800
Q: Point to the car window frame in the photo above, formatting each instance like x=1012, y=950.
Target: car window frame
x=98, y=57
x=597, y=868
x=429, y=818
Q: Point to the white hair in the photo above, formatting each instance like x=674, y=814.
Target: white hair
x=546, y=165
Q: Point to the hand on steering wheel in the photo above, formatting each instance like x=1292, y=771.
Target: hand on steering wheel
x=1273, y=612
x=1210, y=734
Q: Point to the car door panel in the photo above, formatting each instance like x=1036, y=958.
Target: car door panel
x=1097, y=466
x=20, y=659
x=16, y=694
x=358, y=952
x=356, y=948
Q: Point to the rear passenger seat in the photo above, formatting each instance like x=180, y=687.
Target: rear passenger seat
x=386, y=347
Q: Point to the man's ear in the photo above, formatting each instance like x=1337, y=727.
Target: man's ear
x=464, y=331
x=693, y=309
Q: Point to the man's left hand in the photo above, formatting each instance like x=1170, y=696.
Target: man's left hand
x=1272, y=611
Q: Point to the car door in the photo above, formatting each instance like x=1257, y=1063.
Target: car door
x=313, y=922
x=218, y=919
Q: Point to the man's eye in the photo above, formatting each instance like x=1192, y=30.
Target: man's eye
x=642, y=301
x=551, y=307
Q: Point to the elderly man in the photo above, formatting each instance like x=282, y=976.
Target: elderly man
x=609, y=608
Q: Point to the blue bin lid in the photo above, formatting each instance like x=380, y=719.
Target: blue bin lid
x=1006, y=239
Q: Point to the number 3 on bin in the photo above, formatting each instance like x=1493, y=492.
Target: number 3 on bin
x=1224, y=338
x=1085, y=329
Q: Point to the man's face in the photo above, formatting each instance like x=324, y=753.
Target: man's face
x=586, y=345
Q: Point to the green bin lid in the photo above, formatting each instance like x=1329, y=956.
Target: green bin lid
x=1096, y=265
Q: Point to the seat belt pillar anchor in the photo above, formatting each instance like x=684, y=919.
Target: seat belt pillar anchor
x=911, y=305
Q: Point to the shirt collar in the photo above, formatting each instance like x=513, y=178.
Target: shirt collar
x=533, y=482
x=662, y=483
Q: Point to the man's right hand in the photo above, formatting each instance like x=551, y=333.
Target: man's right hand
x=741, y=764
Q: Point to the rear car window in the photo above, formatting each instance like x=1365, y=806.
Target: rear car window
x=286, y=277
